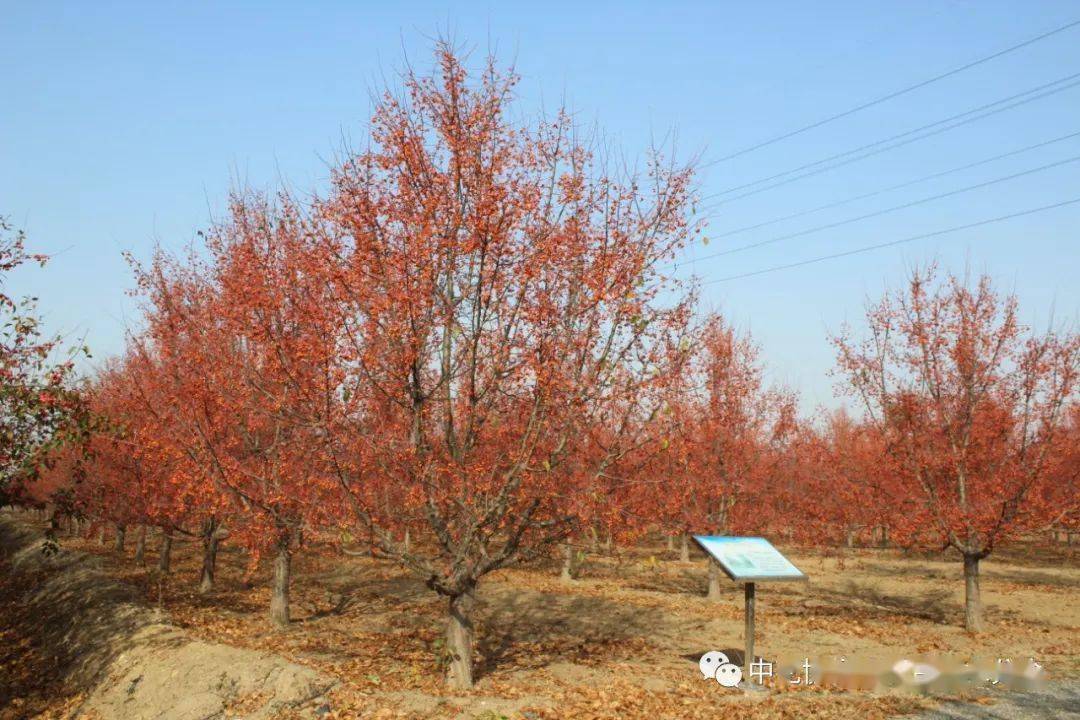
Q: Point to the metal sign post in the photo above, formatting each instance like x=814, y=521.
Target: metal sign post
x=748, y=631
x=749, y=560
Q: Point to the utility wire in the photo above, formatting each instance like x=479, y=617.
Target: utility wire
x=896, y=94
x=1070, y=80
x=868, y=248
x=916, y=181
x=876, y=213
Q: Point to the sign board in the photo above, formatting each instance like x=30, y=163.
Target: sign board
x=748, y=559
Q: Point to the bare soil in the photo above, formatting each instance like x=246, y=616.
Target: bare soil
x=76, y=643
x=623, y=640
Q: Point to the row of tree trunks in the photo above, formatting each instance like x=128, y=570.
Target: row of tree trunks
x=879, y=536
x=211, y=538
x=1058, y=535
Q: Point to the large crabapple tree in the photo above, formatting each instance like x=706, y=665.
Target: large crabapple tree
x=970, y=405
x=499, y=292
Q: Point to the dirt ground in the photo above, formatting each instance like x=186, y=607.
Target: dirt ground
x=623, y=640
x=75, y=642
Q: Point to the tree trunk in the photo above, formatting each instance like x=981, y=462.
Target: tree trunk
x=714, y=581
x=121, y=534
x=850, y=542
x=252, y=565
x=568, y=570
x=459, y=642
x=165, y=559
x=609, y=542
x=670, y=543
x=972, y=600
x=74, y=527
x=684, y=549
x=140, y=546
x=279, y=600
x=210, y=548
x=407, y=540
x=101, y=535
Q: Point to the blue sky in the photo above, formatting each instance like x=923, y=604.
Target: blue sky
x=122, y=125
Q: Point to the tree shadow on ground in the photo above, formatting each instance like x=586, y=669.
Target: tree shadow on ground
x=525, y=629
x=1020, y=576
x=680, y=581
x=914, y=570
x=934, y=605
x=355, y=590
x=1032, y=578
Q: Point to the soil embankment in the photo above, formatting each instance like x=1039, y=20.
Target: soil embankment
x=70, y=631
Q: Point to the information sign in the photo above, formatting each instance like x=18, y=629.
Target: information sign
x=749, y=559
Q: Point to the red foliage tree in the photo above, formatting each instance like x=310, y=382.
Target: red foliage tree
x=969, y=405
x=229, y=337
x=852, y=487
x=1062, y=491
x=722, y=470
x=497, y=292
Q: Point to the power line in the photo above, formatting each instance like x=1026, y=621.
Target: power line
x=1074, y=78
x=877, y=213
x=898, y=93
x=916, y=181
x=879, y=151
x=879, y=246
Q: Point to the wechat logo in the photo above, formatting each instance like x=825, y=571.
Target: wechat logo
x=715, y=665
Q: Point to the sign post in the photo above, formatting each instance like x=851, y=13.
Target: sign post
x=748, y=630
x=749, y=560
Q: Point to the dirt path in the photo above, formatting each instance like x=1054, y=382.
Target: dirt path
x=69, y=631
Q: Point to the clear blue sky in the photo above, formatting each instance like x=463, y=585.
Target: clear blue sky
x=122, y=124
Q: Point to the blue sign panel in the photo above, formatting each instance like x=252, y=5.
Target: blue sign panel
x=749, y=559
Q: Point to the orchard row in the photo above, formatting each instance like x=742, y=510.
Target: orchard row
x=470, y=353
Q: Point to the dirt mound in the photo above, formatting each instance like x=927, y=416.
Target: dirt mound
x=102, y=643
